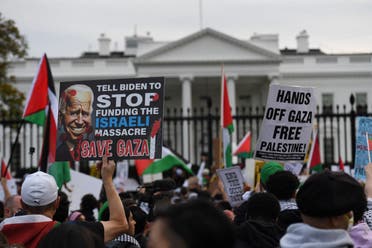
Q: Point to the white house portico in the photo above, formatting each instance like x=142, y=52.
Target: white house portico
x=197, y=59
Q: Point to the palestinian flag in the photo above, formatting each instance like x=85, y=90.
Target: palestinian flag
x=168, y=161
x=27, y=230
x=244, y=148
x=42, y=109
x=226, y=123
x=142, y=164
x=314, y=163
x=341, y=163
x=60, y=170
x=4, y=172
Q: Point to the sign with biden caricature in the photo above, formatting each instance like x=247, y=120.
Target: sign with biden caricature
x=118, y=118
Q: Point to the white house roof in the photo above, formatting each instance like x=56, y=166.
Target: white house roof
x=208, y=45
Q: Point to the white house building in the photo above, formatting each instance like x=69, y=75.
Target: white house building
x=192, y=68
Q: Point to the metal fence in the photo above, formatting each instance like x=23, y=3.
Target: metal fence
x=193, y=132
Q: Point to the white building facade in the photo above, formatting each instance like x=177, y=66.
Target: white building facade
x=192, y=68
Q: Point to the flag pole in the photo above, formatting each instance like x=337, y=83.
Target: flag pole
x=20, y=125
x=221, y=163
x=368, y=149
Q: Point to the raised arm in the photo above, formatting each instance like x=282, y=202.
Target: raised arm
x=117, y=224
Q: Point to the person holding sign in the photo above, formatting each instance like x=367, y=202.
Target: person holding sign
x=75, y=109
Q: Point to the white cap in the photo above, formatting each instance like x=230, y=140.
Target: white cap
x=39, y=189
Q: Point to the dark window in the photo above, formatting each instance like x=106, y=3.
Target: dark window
x=361, y=103
x=327, y=103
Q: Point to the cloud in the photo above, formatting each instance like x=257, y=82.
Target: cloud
x=67, y=28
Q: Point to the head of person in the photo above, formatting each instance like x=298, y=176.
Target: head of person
x=283, y=184
x=193, y=183
x=75, y=111
x=12, y=205
x=105, y=216
x=262, y=206
x=71, y=235
x=327, y=200
x=192, y=224
x=39, y=194
x=268, y=169
x=140, y=217
x=88, y=202
x=131, y=221
x=63, y=208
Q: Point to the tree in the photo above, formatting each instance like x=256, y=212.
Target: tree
x=12, y=45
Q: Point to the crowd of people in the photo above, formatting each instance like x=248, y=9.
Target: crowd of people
x=328, y=209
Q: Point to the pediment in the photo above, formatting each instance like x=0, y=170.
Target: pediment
x=208, y=45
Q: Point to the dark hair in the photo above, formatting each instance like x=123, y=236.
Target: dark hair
x=1, y=209
x=199, y=224
x=63, y=208
x=223, y=205
x=262, y=206
x=204, y=195
x=360, y=208
x=140, y=217
x=288, y=217
x=88, y=202
x=70, y=235
x=105, y=215
x=282, y=184
x=38, y=209
x=125, y=195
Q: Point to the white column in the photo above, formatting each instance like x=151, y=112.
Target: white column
x=231, y=79
x=187, y=105
x=272, y=79
x=186, y=93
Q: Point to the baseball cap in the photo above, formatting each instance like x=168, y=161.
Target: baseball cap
x=39, y=189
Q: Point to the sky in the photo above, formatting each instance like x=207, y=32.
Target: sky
x=66, y=28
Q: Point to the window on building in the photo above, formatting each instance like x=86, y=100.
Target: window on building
x=131, y=43
x=361, y=103
x=245, y=100
x=327, y=103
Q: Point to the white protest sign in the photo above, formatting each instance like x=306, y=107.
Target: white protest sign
x=122, y=169
x=295, y=168
x=232, y=180
x=82, y=184
x=287, y=124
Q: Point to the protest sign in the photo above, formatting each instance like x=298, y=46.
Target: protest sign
x=81, y=184
x=232, y=180
x=287, y=124
x=295, y=168
x=362, y=147
x=118, y=118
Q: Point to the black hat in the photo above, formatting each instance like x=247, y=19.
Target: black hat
x=329, y=194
